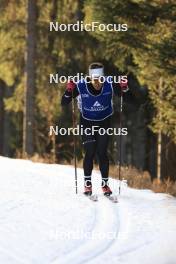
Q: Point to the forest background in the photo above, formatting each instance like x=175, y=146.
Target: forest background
x=146, y=52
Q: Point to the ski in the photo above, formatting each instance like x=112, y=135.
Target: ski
x=112, y=198
x=93, y=197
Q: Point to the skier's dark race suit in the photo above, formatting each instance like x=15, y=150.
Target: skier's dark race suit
x=96, y=143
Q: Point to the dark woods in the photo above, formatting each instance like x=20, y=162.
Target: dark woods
x=29, y=52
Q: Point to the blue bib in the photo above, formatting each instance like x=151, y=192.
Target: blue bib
x=95, y=107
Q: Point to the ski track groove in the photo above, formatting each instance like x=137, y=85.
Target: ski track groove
x=89, y=230
x=108, y=246
x=86, y=248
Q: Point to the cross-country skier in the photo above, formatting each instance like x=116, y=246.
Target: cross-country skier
x=96, y=109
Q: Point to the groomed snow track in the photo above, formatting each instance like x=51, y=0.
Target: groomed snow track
x=42, y=221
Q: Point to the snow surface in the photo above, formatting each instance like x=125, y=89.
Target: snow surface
x=43, y=221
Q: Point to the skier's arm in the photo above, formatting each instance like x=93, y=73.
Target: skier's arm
x=70, y=93
x=117, y=88
x=131, y=94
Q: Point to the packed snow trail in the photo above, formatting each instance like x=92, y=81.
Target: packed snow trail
x=42, y=221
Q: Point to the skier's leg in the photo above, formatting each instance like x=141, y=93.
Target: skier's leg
x=89, y=144
x=89, y=148
x=102, y=146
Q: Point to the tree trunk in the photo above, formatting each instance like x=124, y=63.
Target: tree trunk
x=29, y=106
x=159, y=156
x=2, y=86
x=7, y=125
x=159, y=143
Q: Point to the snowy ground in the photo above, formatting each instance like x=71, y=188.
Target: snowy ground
x=43, y=221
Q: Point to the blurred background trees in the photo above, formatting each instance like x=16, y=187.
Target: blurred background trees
x=146, y=52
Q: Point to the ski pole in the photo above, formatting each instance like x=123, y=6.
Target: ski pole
x=120, y=139
x=74, y=142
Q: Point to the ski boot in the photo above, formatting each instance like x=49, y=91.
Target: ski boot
x=88, y=190
x=106, y=190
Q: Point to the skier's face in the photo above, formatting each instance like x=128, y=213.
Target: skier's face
x=96, y=84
